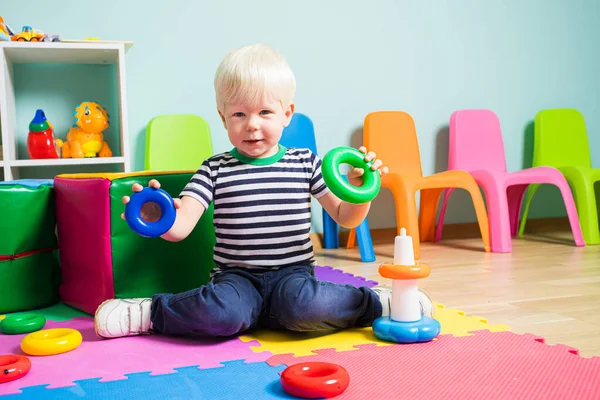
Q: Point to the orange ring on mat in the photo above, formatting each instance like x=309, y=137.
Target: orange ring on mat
x=13, y=367
x=312, y=380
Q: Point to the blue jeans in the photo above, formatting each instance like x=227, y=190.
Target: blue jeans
x=290, y=298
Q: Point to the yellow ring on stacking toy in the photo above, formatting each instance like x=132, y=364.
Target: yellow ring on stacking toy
x=48, y=342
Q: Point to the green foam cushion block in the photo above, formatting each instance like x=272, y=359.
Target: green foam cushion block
x=30, y=282
x=29, y=265
x=27, y=219
x=158, y=265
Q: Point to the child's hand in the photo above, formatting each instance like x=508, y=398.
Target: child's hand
x=355, y=173
x=150, y=212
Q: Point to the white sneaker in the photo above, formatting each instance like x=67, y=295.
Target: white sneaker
x=123, y=317
x=385, y=296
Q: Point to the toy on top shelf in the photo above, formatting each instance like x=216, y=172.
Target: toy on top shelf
x=41, y=142
x=5, y=31
x=28, y=34
x=405, y=324
x=85, y=138
x=51, y=37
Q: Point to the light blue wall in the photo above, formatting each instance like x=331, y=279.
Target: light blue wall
x=352, y=57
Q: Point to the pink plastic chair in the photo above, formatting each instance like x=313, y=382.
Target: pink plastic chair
x=476, y=146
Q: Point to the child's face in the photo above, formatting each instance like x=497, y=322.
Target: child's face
x=255, y=130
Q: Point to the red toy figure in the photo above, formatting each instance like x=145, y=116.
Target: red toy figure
x=41, y=142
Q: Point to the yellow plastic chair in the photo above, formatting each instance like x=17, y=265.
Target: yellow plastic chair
x=392, y=136
x=561, y=141
x=176, y=142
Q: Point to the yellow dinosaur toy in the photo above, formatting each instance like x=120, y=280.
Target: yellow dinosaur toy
x=85, y=138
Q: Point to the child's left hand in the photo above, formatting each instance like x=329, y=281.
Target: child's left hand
x=355, y=173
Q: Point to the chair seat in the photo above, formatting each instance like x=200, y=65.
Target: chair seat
x=476, y=146
x=301, y=133
x=560, y=140
x=587, y=173
x=540, y=175
x=392, y=135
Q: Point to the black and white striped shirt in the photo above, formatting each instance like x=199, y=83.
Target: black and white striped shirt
x=262, y=213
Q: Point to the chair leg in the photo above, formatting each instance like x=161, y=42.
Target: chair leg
x=365, y=244
x=440, y=225
x=430, y=199
x=330, y=232
x=351, y=238
x=483, y=217
x=515, y=195
x=497, y=201
x=406, y=216
x=567, y=196
x=528, y=197
x=585, y=200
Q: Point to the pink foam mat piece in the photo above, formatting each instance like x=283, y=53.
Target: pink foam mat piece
x=500, y=365
x=111, y=359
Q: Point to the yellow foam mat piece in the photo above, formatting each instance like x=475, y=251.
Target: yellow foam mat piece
x=2, y=317
x=454, y=322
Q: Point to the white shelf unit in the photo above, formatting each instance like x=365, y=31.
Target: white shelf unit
x=92, y=52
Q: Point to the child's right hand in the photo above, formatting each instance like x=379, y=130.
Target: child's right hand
x=150, y=212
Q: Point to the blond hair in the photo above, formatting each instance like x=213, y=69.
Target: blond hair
x=251, y=73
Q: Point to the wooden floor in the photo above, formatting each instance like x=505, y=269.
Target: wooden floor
x=546, y=286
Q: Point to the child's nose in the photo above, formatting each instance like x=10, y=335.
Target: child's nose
x=253, y=124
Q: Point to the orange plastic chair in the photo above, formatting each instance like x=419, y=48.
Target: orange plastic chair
x=393, y=137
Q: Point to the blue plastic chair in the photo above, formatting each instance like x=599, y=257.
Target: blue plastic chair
x=301, y=133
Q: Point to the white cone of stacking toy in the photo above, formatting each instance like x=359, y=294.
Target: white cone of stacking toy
x=405, y=293
x=405, y=324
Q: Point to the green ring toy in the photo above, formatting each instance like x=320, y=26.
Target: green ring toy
x=18, y=324
x=340, y=186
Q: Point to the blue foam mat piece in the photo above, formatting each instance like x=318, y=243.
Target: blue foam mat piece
x=34, y=183
x=235, y=380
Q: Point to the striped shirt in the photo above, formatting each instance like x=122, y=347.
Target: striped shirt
x=262, y=214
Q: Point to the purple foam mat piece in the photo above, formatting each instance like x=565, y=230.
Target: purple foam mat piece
x=112, y=359
x=331, y=274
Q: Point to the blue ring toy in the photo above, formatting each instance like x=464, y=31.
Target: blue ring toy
x=145, y=228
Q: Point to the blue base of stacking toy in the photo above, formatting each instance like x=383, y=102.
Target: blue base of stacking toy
x=423, y=330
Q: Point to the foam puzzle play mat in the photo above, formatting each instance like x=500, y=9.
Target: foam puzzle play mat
x=469, y=359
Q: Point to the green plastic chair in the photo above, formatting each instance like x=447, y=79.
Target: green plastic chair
x=561, y=141
x=176, y=142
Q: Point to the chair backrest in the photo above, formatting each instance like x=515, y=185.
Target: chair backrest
x=299, y=133
x=560, y=139
x=475, y=141
x=392, y=135
x=177, y=142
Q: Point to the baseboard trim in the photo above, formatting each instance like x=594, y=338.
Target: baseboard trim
x=468, y=230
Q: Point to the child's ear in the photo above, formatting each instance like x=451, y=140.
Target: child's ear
x=222, y=118
x=288, y=114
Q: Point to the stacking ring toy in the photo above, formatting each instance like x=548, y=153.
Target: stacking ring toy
x=13, y=367
x=51, y=341
x=150, y=229
x=313, y=380
x=340, y=186
x=17, y=324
